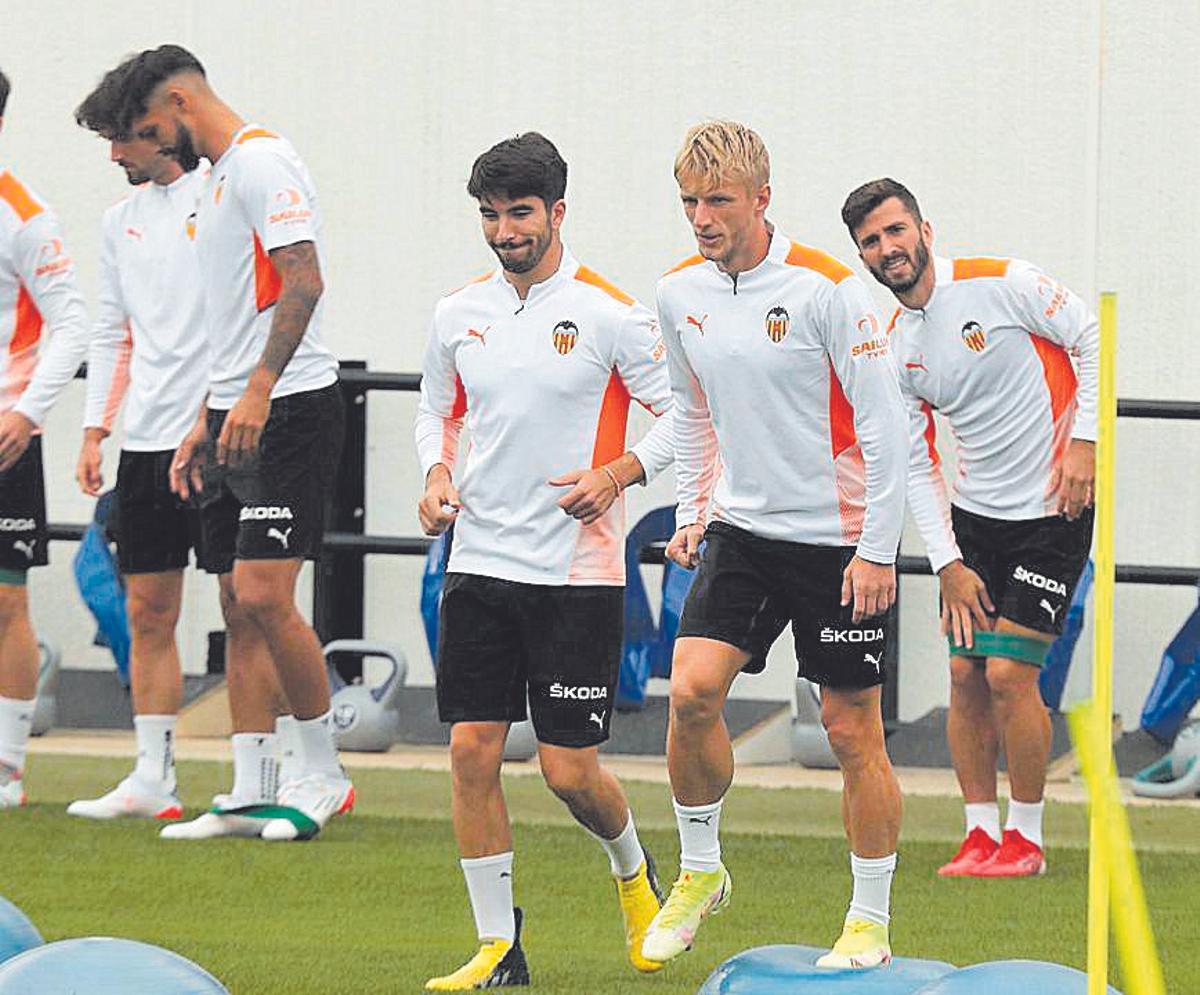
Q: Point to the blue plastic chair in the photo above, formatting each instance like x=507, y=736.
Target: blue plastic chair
x=1177, y=686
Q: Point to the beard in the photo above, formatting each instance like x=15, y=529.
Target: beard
x=184, y=151
x=529, y=256
x=919, y=265
x=135, y=176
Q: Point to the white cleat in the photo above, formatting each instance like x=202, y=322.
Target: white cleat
x=225, y=818
x=132, y=798
x=305, y=805
x=12, y=787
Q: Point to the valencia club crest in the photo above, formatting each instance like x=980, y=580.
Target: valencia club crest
x=565, y=334
x=778, y=323
x=974, y=336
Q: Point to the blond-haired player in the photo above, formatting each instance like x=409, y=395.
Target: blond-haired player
x=790, y=456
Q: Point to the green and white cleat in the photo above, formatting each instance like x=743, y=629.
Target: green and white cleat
x=227, y=817
x=305, y=805
x=694, y=897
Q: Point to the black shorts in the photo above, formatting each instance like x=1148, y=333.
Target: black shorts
x=747, y=590
x=273, y=507
x=1030, y=567
x=498, y=639
x=23, y=512
x=154, y=529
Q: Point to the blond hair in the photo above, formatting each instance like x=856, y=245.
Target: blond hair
x=716, y=151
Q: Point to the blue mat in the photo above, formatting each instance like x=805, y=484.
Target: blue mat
x=790, y=970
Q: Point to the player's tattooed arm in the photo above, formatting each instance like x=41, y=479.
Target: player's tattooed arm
x=300, y=273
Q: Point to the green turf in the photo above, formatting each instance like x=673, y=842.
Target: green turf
x=378, y=904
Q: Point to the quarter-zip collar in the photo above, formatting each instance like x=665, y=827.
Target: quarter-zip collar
x=567, y=267
x=750, y=279
x=943, y=275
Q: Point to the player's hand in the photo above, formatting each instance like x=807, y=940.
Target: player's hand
x=15, y=432
x=965, y=603
x=591, y=495
x=439, y=505
x=684, y=547
x=871, y=587
x=189, y=460
x=244, y=425
x=1073, y=481
x=87, y=470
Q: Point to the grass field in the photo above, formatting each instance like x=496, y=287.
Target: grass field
x=378, y=904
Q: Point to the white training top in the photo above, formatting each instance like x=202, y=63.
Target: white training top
x=545, y=385
x=259, y=197
x=149, y=344
x=789, y=422
x=992, y=351
x=37, y=289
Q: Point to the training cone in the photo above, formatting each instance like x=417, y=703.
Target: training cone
x=17, y=933
x=791, y=970
x=102, y=966
x=1010, y=977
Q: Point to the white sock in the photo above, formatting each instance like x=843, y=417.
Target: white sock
x=872, y=898
x=156, y=750
x=489, y=883
x=16, y=719
x=287, y=743
x=1026, y=818
x=985, y=816
x=699, y=839
x=255, y=769
x=624, y=851
x=318, y=754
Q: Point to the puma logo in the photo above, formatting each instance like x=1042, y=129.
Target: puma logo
x=598, y=719
x=706, y=821
x=473, y=334
x=506, y=874
x=25, y=547
x=875, y=661
x=698, y=324
x=917, y=366
x=274, y=533
x=1050, y=609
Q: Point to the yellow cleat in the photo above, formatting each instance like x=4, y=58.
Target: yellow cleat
x=497, y=964
x=640, y=900
x=862, y=944
x=694, y=896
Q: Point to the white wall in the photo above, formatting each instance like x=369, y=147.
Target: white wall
x=993, y=113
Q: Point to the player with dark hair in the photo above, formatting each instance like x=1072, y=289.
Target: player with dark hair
x=273, y=417
x=38, y=295
x=540, y=357
x=989, y=343
x=149, y=348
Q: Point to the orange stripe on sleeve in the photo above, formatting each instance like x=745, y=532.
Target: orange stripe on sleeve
x=695, y=260
x=460, y=399
x=892, y=324
x=28, y=329
x=585, y=275
x=818, y=261
x=841, y=417
x=973, y=269
x=931, y=434
x=120, y=382
x=13, y=193
x=614, y=416
x=267, y=282
x=256, y=133
x=1060, y=375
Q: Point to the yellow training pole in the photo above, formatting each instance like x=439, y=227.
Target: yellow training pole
x=1100, y=734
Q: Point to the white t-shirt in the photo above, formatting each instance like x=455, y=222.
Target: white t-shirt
x=37, y=292
x=259, y=197
x=992, y=351
x=788, y=417
x=544, y=385
x=149, y=343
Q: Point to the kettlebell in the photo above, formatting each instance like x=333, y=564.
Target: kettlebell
x=365, y=719
x=45, y=711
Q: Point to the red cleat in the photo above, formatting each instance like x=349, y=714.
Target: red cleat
x=1016, y=858
x=976, y=849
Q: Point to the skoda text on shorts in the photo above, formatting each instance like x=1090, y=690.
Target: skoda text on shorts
x=541, y=357
x=269, y=434
x=802, y=524
x=989, y=343
x=43, y=339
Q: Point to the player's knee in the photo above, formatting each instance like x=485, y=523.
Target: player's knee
x=855, y=733
x=237, y=619
x=263, y=602
x=152, y=616
x=571, y=778
x=694, y=700
x=1011, y=681
x=964, y=673
x=475, y=753
x=14, y=605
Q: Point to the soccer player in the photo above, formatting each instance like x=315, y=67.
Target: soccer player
x=274, y=409
x=790, y=458
x=37, y=293
x=988, y=342
x=541, y=357
x=149, y=348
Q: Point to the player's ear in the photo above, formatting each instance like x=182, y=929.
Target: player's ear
x=762, y=198
x=558, y=213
